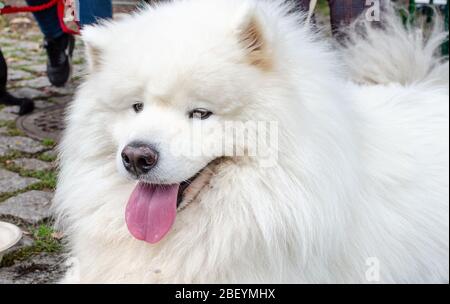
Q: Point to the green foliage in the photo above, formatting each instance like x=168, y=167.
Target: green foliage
x=44, y=241
x=48, y=142
x=47, y=178
x=11, y=128
x=46, y=157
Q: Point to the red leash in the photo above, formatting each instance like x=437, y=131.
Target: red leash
x=60, y=6
x=27, y=9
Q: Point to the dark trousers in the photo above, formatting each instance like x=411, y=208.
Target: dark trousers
x=25, y=105
x=3, y=73
x=342, y=12
x=90, y=11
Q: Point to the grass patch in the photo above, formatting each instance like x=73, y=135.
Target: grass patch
x=15, y=132
x=13, y=155
x=27, y=69
x=39, y=186
x=3, y=22
x=47, y=178
x=48, y=142
x=4, y=196
x=46, y=157
x=18, y=255
x=44, y=241
x=15, y=55
x=36, y=38
x=11, y=128
x=7, y=123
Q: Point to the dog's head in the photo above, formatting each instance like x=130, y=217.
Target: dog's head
x=170, y=78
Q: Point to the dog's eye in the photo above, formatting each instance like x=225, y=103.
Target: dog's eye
x=200, y=114
x=138, y=107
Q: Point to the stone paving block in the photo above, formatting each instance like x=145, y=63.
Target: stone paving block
x=16, y=54
x=27, y=45
x=3, y=151
x=29, y=93
x=20, y=143
x=42, y=104
x=7, y=41
x=3, y=130
x=7, y=49
x=25, y=241
x=43, y=268
x=32, y=164
x=36, y=83
x=69, y=88
x=31, y=207
x=37, y=68
x=10, y=181
x=14, y=75
x=51, y=153
x=62, y=99
x=8, y=113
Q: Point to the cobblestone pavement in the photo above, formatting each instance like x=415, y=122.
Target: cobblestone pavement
x=27, y=166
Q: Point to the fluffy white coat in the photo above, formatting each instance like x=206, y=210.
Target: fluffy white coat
x=362, y=174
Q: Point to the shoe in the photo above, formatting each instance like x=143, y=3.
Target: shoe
x=26, y=105
x=59, y=54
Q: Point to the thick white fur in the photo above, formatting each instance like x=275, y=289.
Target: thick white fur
x=362, y=171
x=400, y=53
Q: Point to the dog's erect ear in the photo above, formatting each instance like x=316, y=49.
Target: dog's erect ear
x=95, y=41
x=253, y=39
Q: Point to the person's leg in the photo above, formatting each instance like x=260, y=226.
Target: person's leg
x=91, y=11
x=59, y=52
x=57, y=44
x=302, y=5
x=25, y=105
x=47, y=19
x=3, y=73
x=343, y=12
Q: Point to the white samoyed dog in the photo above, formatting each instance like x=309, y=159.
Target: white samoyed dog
x=350, y=187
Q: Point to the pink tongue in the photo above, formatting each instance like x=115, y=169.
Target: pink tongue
x=151, y=211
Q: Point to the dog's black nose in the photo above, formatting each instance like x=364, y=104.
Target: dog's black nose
x=139, y=158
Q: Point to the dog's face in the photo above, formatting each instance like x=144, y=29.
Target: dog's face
x=168, y=90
